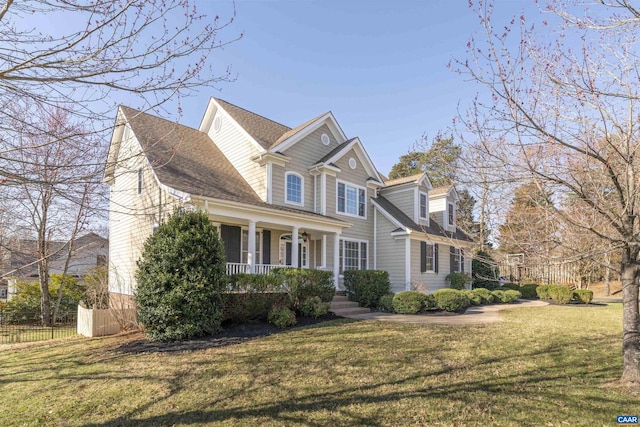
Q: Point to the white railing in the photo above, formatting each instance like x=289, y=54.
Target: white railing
x=237, y=267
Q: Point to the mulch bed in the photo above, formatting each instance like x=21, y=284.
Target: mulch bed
x=230, y=335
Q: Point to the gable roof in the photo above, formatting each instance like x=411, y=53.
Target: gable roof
x=292, y=132
x=343, y=149
x=441, y=191
x=403, y=180
x=265, y=131
x=333, y=153
x=186, y=159
x=433, y=229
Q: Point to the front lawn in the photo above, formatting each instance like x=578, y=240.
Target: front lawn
x=549, y=366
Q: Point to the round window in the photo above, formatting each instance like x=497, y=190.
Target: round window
x=352, y=163
x=325, y=139
x=217, y=123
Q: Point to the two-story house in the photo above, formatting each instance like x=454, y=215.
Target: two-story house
x=304, y=197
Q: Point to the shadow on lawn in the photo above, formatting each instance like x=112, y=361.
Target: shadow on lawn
x=230, y=335
x=423, y=387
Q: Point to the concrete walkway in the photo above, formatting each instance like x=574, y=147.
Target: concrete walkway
x=472, y=316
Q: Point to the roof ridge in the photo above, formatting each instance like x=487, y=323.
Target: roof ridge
x=251, y=112
x=161, y=118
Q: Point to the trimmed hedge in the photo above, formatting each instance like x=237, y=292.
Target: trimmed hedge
x=408, y=302
x=583, y=296
x=304, y=283
x=458, y=281
x=512, y=286
x=557, y=293
x=386, y=303
x=543, y=291
x=430, y=303
x=366, y=287
x=484, y=294
x=528, y=291
x=451, y=300
x=251, y=296
x=474, y=298
x=511, y=296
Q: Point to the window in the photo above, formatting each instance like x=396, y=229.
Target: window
x=457, y=260
x=351, y=200
x=424, y=206
x=451, y=214
x=140, y=176
x=428, y=257
x=293, y=188
x=353, y=255
x=245, y=247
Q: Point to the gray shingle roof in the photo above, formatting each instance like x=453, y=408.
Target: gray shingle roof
x=265, y=131
x=403, y=180
x=335, y=151
x=187, y=160
x=434, y=228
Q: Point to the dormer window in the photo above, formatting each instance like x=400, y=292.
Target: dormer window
x=451, y=214
x=294, y=188
x=424, y=205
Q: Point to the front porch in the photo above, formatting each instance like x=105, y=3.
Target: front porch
x=258, y=239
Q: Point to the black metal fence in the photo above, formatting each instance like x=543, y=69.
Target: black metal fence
x=24, y=325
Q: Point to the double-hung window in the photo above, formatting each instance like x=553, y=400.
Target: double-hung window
x=294, y=188
x=424, y=206
x=351, y=199
x=353, y=255
x=428, y=257
x=451, y=214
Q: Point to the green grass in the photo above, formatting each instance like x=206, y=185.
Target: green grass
x=544, y=366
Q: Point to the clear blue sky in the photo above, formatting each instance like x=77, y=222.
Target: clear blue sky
x=379, y=66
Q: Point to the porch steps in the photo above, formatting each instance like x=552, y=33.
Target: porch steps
x=341, y=306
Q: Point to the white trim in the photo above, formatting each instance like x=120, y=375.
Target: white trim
x=426, y=201
x=269, y=182
x=366, y=162
x=286, y=185
x=251, y=249
x=323, y=193
x=448, y=224
x=357, y=187
x=415, y=205
x=407, y=263
x=315, y=193
x=375, y=238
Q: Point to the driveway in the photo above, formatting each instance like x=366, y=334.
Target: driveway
x=472, y=316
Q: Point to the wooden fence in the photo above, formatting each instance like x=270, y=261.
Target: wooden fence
x=559, y=273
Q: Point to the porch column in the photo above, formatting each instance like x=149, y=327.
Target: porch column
x=251, y=250
x=294, y=248
x=336, y=259
x=323, y=251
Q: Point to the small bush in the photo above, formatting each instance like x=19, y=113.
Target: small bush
x=498, y=296
x=314, y=307
x=474, y=298
x=543, y=291
x=408, y=302
x=367, y=286
x=560, y=294
x=282, y=316
x=528, y=291
x=450, y=300
x=512, y=286
x=304, y=283
x=484, y=294
x=386, y=303
x=510, y=296
x=458, y=280
x=583, y=296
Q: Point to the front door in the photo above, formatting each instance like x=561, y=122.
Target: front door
x=286, y=251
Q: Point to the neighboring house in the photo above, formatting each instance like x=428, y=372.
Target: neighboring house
x=21, y=260
x=303, y=197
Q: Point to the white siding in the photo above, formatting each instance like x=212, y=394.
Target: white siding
x=132, y=215
x=239, y=150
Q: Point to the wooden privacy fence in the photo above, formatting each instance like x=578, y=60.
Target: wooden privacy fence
x=559, y=273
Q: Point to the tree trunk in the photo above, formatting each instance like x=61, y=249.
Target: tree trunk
x=607, y=275
x=631, y=335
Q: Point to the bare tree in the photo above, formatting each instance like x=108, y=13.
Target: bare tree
x=149, y=51
x=60, y=189
x=559, y=106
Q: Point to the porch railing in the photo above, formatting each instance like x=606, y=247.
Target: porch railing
x=238, y=267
